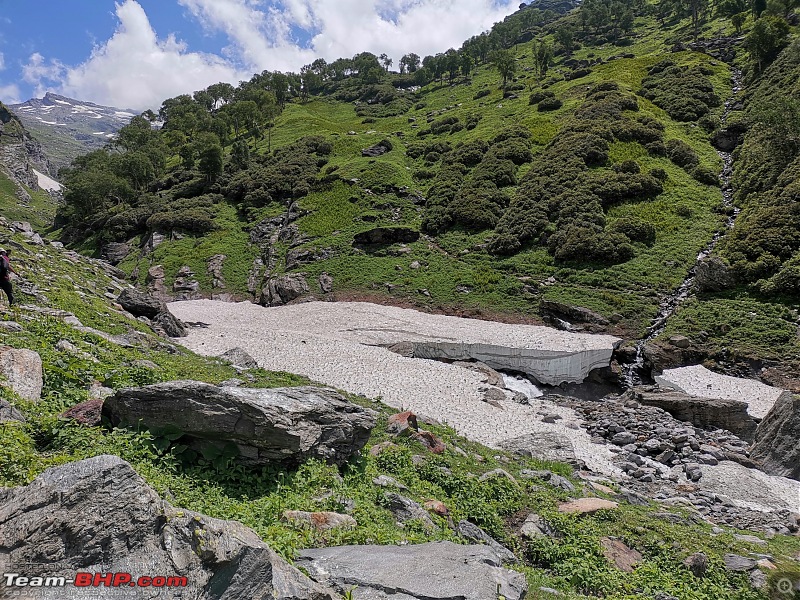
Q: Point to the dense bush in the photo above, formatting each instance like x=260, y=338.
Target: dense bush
x=539, y=95
x=470, y=153
x=517, y=150
x=682, y=154
x=443, y=125
x=705, y=175
x=481, y=94
x=635, y=229
x=548, y=104
x=685, y=93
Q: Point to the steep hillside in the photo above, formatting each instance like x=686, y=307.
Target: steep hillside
x=23, y=165
x=557, y=168
x=68, y=128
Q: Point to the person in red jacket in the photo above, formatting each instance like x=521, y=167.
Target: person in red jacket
x=5, y=275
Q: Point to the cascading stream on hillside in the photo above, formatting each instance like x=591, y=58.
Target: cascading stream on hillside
x=634, y=371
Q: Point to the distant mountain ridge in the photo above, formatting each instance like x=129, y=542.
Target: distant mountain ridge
x=68, y=128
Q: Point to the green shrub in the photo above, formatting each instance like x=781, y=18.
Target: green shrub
x=635, y=229
x=516, y=150
x=539, y=95
x=682, y=154
x=481, y=94
x=705, y=175
x=548, y=104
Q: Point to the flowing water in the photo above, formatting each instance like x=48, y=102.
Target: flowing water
x=634, y=371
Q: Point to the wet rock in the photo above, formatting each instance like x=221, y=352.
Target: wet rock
x=567, y=312
x=713, y=274
x=21, y=372
x=279, y=425
x=415, y=572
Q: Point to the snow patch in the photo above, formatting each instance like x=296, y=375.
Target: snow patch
x=699, y=381
x=47, y=183
x=515, y=383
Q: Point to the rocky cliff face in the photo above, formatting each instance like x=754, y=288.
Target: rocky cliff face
x=20, y=154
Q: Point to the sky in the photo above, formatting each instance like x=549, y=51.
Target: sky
x=134, y=54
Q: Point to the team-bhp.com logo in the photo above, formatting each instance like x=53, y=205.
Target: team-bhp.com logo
x=89, y=580
x=782, y=587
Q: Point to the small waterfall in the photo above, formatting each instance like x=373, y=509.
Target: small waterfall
x=668, y=306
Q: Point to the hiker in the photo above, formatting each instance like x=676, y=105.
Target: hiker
x=5, y=275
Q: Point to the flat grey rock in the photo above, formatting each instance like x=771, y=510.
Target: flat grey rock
x=434, y=571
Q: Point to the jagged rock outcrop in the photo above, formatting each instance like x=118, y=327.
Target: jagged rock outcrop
x=440, y=570
x=185, y=285
x=99, y=515
x=140, y=304
x=777, y=439
x=114, y=252
x=21, y=371
x=577, y=314
x=20, y=154
x=214, y=268
x=280, y=425
x=701, y=412
x=283, y=289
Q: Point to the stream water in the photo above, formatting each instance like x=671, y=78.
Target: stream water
x=635, y=372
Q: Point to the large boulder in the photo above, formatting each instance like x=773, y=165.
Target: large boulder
x=21, y=371
x=440, y=570
x=777, y=439
x=99, y=516
x=283, y=425
x=713, y=275
x=170, y=324
x=701, y=412
x=283, y=289
x=140, y=304
x=543, y=445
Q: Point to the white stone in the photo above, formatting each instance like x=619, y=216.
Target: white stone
x=21, y=370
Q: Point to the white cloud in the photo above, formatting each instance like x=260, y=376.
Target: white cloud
x=134, y=68
x=343, y=28
x=2, y=62
x=10, y=94
x=137, y=69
